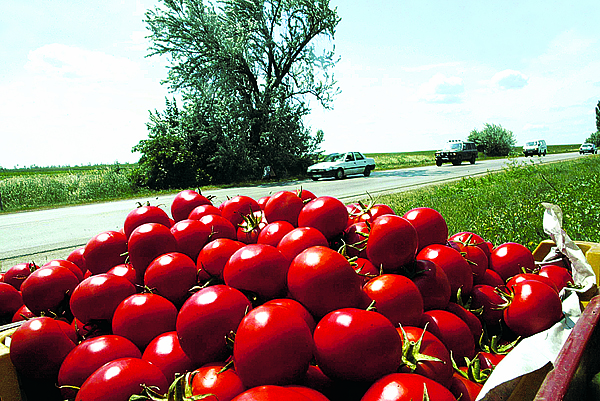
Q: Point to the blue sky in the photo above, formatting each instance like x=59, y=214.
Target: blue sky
x=77, y=88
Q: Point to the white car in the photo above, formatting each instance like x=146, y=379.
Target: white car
x=587, y=148
x=340, y=165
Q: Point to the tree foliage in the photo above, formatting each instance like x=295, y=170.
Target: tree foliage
x=246, y=70
x=595, y=139
x=598, y=117
x=493, y=140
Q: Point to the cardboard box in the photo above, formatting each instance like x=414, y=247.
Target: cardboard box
x=9, y=381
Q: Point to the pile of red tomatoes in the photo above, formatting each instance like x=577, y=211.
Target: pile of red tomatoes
x=289, y=297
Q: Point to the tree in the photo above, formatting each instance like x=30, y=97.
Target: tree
x=246, y=70
x=598, y=117
x=594, y=138
x=493, y=140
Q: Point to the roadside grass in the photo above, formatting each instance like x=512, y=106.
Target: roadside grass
x=506, y=206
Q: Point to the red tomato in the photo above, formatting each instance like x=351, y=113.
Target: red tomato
x=172, y=275
x=238, y=206
x=355, y=238
x=357, y=345
x=126, y=271
x=392, y=242
x=487, y=297
x=204, y=210
x=69, y=265
x=430, y=225
x=477, y=260
x=365, y=269
x=38, y=348
x=250, y=228
x=305, y=195
x=143, y=215
x=206, y=318
x=274, y=232
x=270, y=393
x=372, y=212
x=191, y=236
x=48, y=289
x=530, y=276
x=397, y=298
x=184, y=202
x=558, y=274
x=464, y=388
x=323, y=280
x=311, y=394
x=219, y=226
x=165, y=353
x=297, y=308
x=118, y=380
x=299, y=239
x=104, y=251
x=284, y=206
x=457, y=269
x=433, y=285
x=262, y=202
x=469, y=318
x=23, y=313
x=325, y=213
x=288, y=340
x=210, y=379
x=213, y=257
x=407, y=387
x=258, y=268
x=142, y=317
x=469, y=238
x=534, y=307
x=452, y=331
x=97, y=297
x=10, y=301
x=509, y=259
x=18, y=273
x=423, y=343
x=77, y=257
x=146, y=243
x=489, y=360
x=490, y=277
x=90, y=355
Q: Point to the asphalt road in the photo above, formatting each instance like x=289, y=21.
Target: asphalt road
x=49, y=234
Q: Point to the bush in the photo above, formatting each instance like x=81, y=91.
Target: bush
x=493, y=140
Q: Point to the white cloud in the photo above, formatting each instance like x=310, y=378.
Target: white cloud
x=442, y=89
x=510, y=79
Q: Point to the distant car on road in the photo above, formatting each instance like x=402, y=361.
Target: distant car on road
x=455, y=151
x=340, y=165
x=538, y=147
x=588, y=148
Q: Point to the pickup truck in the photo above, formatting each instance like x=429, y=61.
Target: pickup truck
x=340, y=165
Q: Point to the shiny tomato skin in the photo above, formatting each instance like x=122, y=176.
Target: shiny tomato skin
x=469, y=238
x=430, y=225
x=270, y=393
x=76, y=257
x=206, y=318
x=433, y=285
x=311, y=394
x=38, y=348
x=238, y=206
x=69, y=265
x=325, y=213
x=510, y=258
x=104, y=251
x=452, y=331
x=273, y=232
x=457, y=269
x=464, y=388
x=165, y=353
x=47, y=288
x=355, y=237
x=97, y=297
x=147, y=242
x=191, y=236
x=127, y=271
x=297, y=308
x=10, y=301
x=365, y=269
x=397, y=298
x=90, y=355
x=287, y=338
x=258, y=268
x=323, y=280
x=214, y=256
x=371, y=213
x=219, y=226
x=490, y=277
x=184, y=202
x=142, y=215
x=23, y=313
x=440, y=371
x=142, y=317
x=558, y=274
x=204, y=210
x=477, y=260
x=172, y=275
x=392, y=242
x=285, y=206
x=262, y=201
x=487, y=297
x=406, y=387
x=120, y=379
x=357, y=345
x=209, y=379
x=18, y=273
x=469, y=318
x=299, y=239
x=530, y=276
x=305, y=195
x=534, y=307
